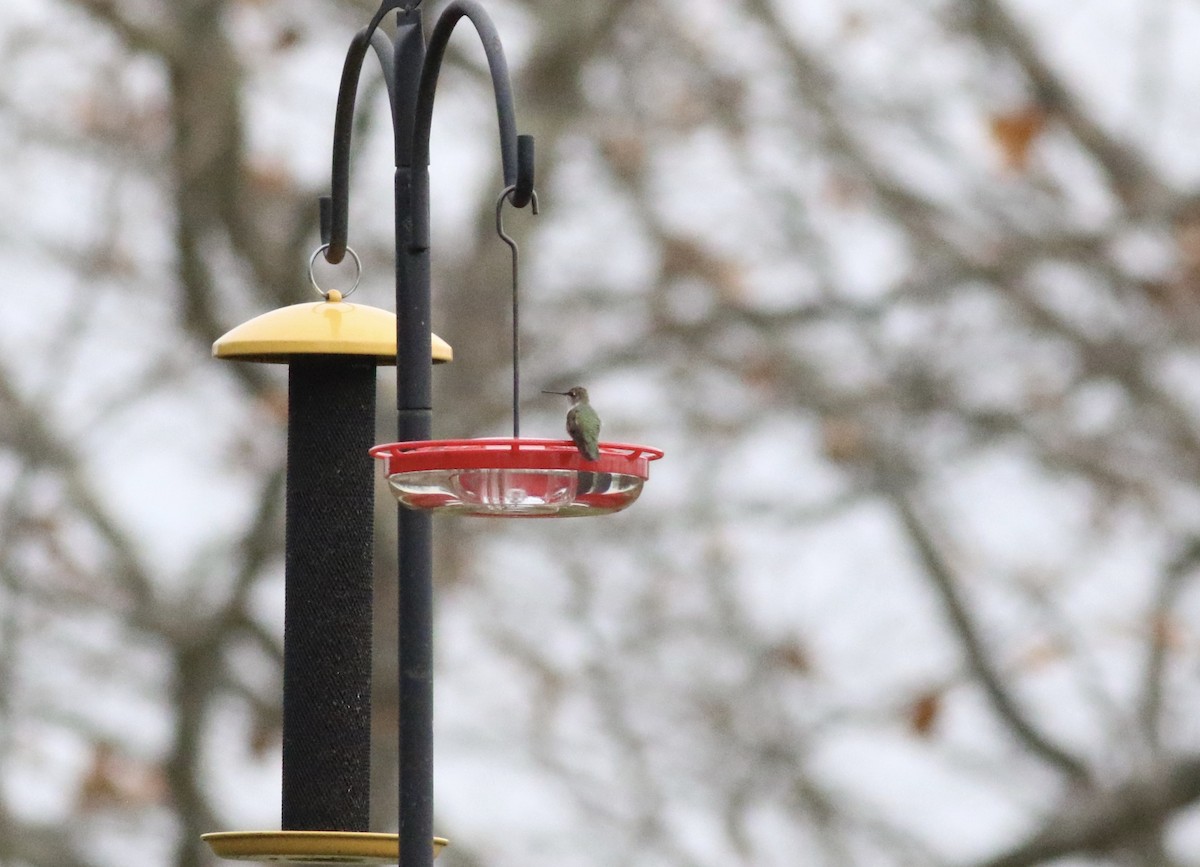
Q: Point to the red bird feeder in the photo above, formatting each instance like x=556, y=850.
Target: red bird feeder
x=515, y=478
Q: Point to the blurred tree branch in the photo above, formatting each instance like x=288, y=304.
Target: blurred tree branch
x=814, y=258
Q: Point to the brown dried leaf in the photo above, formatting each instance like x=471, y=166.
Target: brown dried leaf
x=287, y=37
x=923, y=713
x=1014, y=132
x=265, y=736
x=270, y=178
x=274, y=402
x=1167, y=633
x=1041, y=655
x=99, y=787
x=843, y=191
x=762, y=372
x=792, y=657
x=843, y=440
x=113, y=780
x=626, y=155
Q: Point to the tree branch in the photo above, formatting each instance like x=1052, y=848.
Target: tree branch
x=944, y=581
x=133, y=31
x=1171, y=583
x=1107, y=822
x=1131, y=177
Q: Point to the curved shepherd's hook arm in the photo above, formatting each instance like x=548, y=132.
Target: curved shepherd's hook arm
x=336, y=206
x=516, y=152
x=412, y=143
x=516, y=156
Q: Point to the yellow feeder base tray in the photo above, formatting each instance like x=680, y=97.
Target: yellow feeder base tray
x=310, y=847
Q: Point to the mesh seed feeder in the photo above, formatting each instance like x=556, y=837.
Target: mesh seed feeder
x=332, y=348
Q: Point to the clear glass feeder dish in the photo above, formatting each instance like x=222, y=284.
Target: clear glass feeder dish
x=516, y=478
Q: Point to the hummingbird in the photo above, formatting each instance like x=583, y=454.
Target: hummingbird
x=583, y=424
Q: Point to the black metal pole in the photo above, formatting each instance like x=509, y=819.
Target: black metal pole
x=414, y=406
x=412, y=84
x=327, y=605
x=414, y=403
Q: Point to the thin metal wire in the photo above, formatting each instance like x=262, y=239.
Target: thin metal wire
x=516, y=307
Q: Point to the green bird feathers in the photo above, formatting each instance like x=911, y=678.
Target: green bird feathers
x=583, y=424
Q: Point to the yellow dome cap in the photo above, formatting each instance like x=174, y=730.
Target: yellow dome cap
x=332, y=327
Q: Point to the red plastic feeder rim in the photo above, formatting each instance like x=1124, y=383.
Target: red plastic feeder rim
x=504, y=453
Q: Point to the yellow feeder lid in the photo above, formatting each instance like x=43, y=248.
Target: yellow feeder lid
x=310, y=847
x=330, y=327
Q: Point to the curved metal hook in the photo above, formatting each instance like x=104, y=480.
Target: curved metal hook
x=497, y=66
x=335, y=207
x=516, y=310
x=507, y=195
x=412, y=142
x=516, y=152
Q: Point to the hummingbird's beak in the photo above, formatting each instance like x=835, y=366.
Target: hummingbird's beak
x=563, y=393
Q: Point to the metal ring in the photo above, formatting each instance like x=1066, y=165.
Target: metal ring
x=313, y=277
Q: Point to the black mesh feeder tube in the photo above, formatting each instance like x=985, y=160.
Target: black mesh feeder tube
x=327, y=601
x=332, y=349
